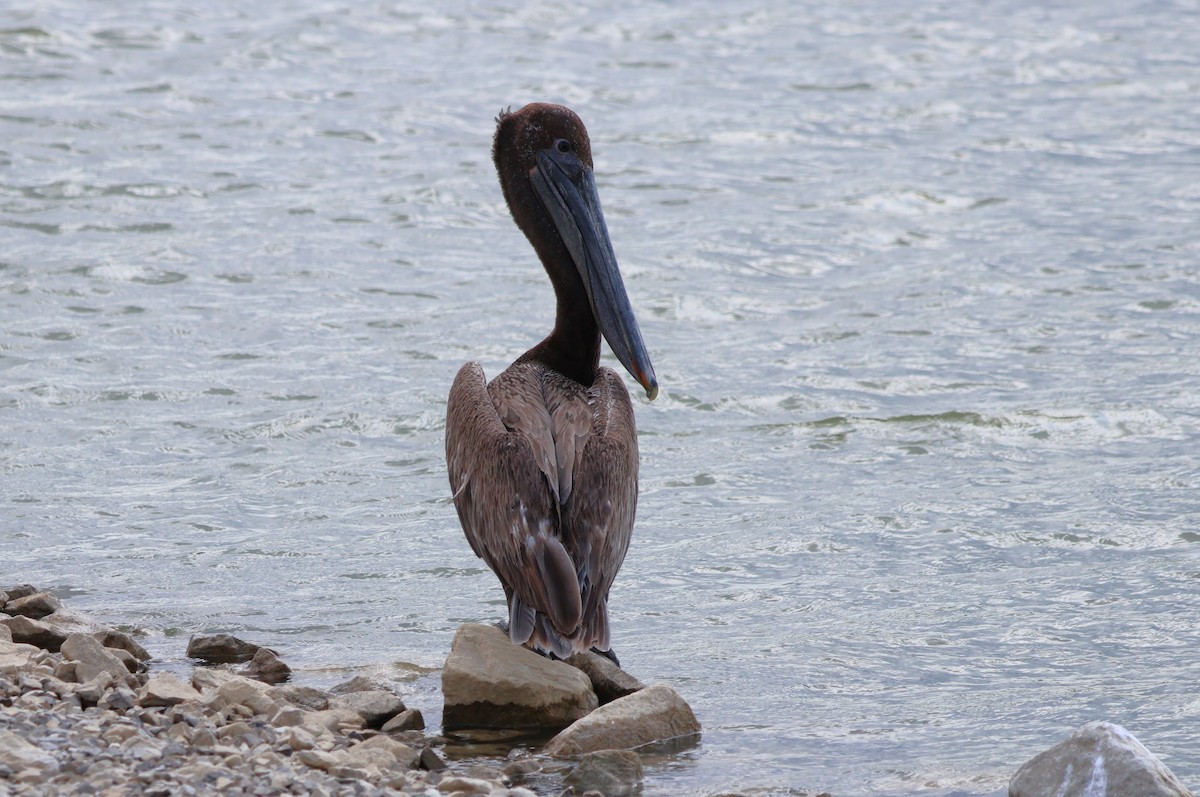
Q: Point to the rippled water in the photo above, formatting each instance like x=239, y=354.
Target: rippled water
x=920, y=283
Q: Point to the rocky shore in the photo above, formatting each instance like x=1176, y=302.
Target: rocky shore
x=83, y=713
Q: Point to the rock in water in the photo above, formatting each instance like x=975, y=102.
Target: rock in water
x=613, y=773
x=609, y=681
x=488, y=682
x=266, y=667
x=221, y=649
x=655, y=714
x=1099, y=760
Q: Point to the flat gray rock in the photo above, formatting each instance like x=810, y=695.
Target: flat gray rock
x=655, y=714
x=1099, y=760
x=490, y=683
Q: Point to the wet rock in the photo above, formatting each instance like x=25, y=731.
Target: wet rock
x=488, y=682
x=221, y=649
x=375, y=706
x=266, y=666
x=613, y=773
x=36, y=605
x=409, y=719
x=92, y=658
x=34, y=632
x=655, y=714
x=164, y=689
x=1099, y=759
x=609, y=681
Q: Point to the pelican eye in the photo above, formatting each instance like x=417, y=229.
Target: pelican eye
x=562, y=145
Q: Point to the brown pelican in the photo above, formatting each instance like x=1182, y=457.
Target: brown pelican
x=543, y=459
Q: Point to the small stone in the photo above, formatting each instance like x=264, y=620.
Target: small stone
x=286, y=717
x=318, y=759
x=36, y=606
x=408, y=720
x=299, y=739
x=464, y=786
x=1099, y=752
x=265, y=666
x=164, y=689
x=655, y=714
x=221, y=648
x=5, y=633
x=613, y=773
x=375, y=707
x=92, y=691
x=119, y=698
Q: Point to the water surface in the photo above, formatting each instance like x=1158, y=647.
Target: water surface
x=919, y=496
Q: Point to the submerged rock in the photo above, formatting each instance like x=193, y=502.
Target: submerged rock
x=613, y=773
x=1099, y=760
x=655, y=714
x=488, y=682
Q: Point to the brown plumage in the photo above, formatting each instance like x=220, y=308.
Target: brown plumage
x=543, y=460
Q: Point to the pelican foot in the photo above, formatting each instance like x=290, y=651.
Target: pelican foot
x=502, y=625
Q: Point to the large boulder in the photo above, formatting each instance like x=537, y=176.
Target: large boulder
x=490, y=683
x=655, y=714
x=1099, y=760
